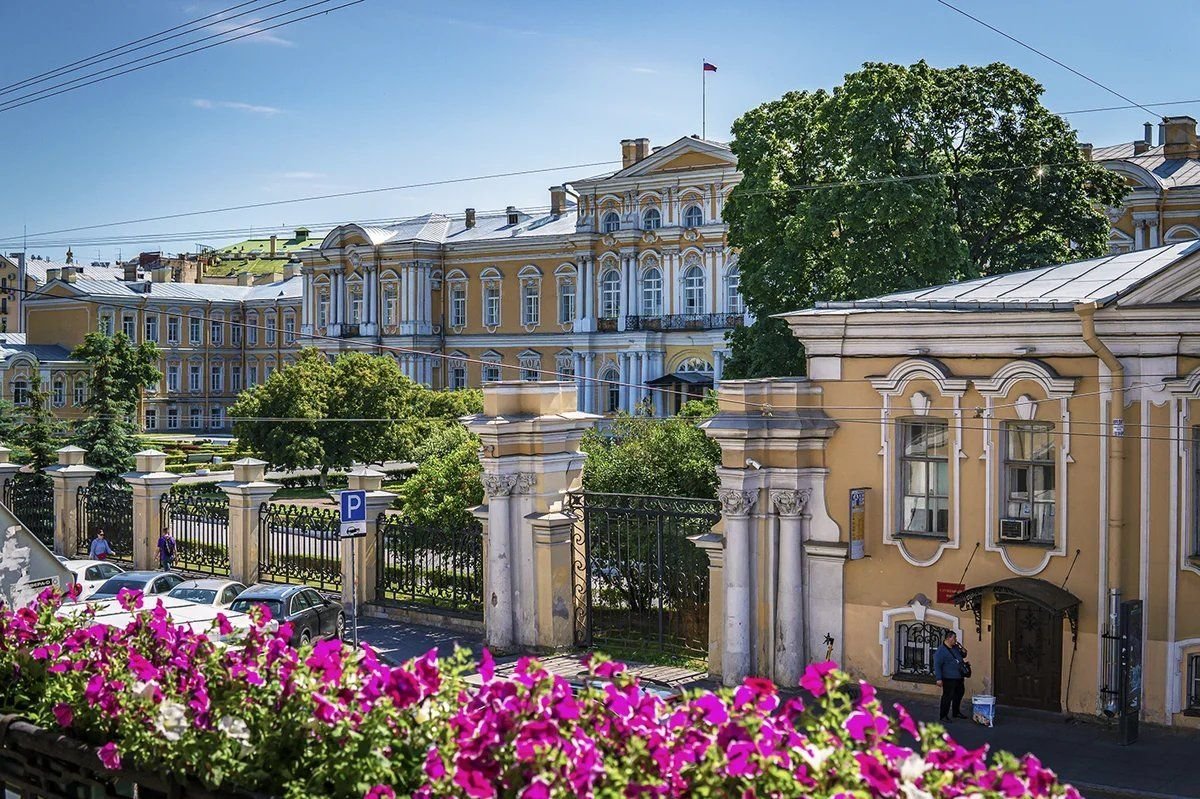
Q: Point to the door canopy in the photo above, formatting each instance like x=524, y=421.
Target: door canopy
x=1045, y=595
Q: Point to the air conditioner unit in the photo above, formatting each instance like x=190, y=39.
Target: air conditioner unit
x=1014, y=529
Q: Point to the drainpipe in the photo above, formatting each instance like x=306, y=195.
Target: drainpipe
x=1116, y=483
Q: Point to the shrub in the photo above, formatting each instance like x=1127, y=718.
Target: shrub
x=332, y=721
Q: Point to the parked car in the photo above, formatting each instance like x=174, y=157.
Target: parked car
x=311, y=615
x=150, y=583
x=89, y=575
x=213, y=591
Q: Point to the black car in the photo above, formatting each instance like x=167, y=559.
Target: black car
x=311, y=615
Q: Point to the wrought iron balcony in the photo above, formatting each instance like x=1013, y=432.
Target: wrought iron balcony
x=606, y=324
x=680, y=321
x=348, y=331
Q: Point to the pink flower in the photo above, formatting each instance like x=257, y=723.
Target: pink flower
x=538, y=789
x=63, y=714
x=713, y=708
x=223, y=625
x=860, y=723
x=129, y=599
x=813, y=680
x=487, y=667
x=875, y=774
x=474, y=783
x=109, y=757
x=868, y=693
x=906, y=721
x=380, y=792
x=1011, y=786
x=435, y=769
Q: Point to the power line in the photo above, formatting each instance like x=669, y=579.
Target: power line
x=1045, y=55
x=13, y=104
x=1126, y=107
x=124, y=49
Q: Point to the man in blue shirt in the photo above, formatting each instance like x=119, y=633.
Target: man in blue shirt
x=100, y=548
x=948, y=668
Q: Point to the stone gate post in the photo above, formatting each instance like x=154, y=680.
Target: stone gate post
x=361, y=589
x=530, y=435
x=69, y=476
x=8, y=469
x=248, y=489
x=150, y=481
x=783, y=556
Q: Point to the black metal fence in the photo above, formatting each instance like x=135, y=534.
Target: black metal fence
x=299, y=544
x=30, y=496
x=200, y=524
x=638, y=581
x=106, y=504
x=431, y=567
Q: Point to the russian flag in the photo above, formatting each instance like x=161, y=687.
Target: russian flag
x=709, y=67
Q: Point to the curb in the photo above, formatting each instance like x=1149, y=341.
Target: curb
x=1093, y=791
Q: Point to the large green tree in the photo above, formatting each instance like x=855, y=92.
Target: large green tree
x=990, y=182
x=41, y=433
x=447, y=481
x=118, y=372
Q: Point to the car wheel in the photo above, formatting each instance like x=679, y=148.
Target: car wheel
x=339, y=630
x=305, y=638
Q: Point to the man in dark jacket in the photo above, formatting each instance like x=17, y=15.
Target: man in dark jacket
x=948, y=669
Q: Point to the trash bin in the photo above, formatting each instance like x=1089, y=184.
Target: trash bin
x=983, y=709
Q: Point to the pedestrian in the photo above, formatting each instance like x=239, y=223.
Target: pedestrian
x=950, y=667
x=100, y=549
x=166, y=550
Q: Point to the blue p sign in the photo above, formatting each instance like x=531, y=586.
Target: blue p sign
x=354, y=506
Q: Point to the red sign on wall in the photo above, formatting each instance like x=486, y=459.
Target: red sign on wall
x=947, y=590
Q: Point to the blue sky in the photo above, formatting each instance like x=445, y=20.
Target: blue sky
x=392, y=92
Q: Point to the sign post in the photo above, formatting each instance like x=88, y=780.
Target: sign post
x=353, y=513
x=1130, y=671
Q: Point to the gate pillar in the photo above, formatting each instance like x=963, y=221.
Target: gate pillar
x=150, y=481
x=248, y=489
x=69, y=476
x=530, y=435
x=8, y=469
x=783, y=555
x=361, y=588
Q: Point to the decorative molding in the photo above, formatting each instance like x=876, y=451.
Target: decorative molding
x=499, y=485
x=735, y=502
x=920, y=403
x=896, y=381
x=791, y=503
x=1002, y=382
x=914, y=611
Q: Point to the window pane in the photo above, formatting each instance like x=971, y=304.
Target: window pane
x=940, y=472
x=916, y=514
x=914, y=476
x=1042, y=446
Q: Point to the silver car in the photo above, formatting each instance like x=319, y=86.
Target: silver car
x=215, y=592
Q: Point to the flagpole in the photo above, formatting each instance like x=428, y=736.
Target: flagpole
x=703, y=100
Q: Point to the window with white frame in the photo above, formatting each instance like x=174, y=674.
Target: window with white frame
x=58, y=392
x=652, y=292
x=491, y=302
x=251, y=375
x=531, y=301
x=609, y=384
x=194, y=377
x=693, y=216
x=457, y=377
x=491, y=368
x=610, y=294
x=733, y=291
x=611, y=223
x=152, y=328
x=391, y=303
x=172, y=377
x=564, y=365
x=322, y=307
x=106, y=323
x=129, y=326
x=216, y=383
x=566, y=300
x=916, y=642
x=458, y=303
x=1029, y=482
x=531, y=365
x=252, y=329
x=81, y=392
x=924, y=477
x=235, y=331
x=652, y=219
x=235, y=378
x=196, y=414
x=1193, y=683
x=289, y=329
x=693, y=289
x=215, y=330
x=268, y=368
x=172, y=418
x=172, y=329
x=20, y=391
x=150, y=419
x=195, y=331
x=269, y=324
x=355, y=291
x=217, y=416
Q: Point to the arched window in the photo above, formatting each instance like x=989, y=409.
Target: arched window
x=693, y=216
x=652, y=219
x=694, y=365
x=733, y=294
x=610, y=381
x=693, y=290
x=491, y=299
x=531, y=296
x=391, y=303
x=652, y=292
x=610, y=294
x=611, y=223
x=355, y=291
x=322, y=306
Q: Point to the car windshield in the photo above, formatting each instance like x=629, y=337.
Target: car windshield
x=198, y=595
x=113, y=587
x=272, y=605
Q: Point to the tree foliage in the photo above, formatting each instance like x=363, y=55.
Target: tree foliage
x=118, y=373
x=1005, y=187
x=642, y=455
x=447, y=481
x=41, y=434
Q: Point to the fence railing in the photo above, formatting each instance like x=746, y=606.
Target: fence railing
x=200, y=524
x=105, y=504
x=702, y=321
x=299, y=544
x=30, y=496
x=432, y=567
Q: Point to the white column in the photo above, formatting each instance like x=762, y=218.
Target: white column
x=623, y=368
x=639, y=379
x=660, y=399
x=498, y=606
x=580, y=277
x=790, y=657
x=590, y=393
x=736, y=506
x=580, y=385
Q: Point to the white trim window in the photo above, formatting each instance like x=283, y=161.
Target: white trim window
x=251, y=375
x=215, y=332
x=322, y=307
x=150, y=419
x=734, y=303
x=105, y=324
x=129, y=326
x=58, y=393
x=458, y=303
x=391, y=303
x=152, y=328
x=289, y=328
x=216, y=383
x=652, y=292
x=491, y=302
x=531, y=301
x=915, y=643
x=269, y=324
x=531, y=365
x=235, y=378
x=1028, y=479
x=252, y=330
x=693, y=216
x=217, y=416
x=610, y=380
x=355, y=292
x=172, y=378
x=491, y=368
x=693, y=289
x=610, y=294
x=235, y=331
x=20, y=392
x=457, y=373
x=924, y=477
x=566, y=300
x=196, y=414
x=651, y=219
x=172, y=418
x=194, y=377
x=81, y=391
x=195, y=331
x=564, y=365
x=611, y=223
x=173, y=329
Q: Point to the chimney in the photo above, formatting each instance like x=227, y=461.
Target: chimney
x=1148, y=133
x=558, y=200
x=53, y=274
x=273, y=238
x=470, y=218
x=1140, y=147
x=162, y=275
x=69, y=273
x=628, y=153
x=244, y=278
x=130, y=271
x=291, y=269
x=1180, y=138
x=1085, y=148
x=513, y=217
x=641, y=149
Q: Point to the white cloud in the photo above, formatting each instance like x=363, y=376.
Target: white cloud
x=249, y=108
x=644, y=70
x=241, y=29
x=301, y=175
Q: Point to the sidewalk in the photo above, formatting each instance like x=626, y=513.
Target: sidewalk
x=1163, y=763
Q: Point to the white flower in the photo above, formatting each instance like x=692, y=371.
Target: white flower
x=172, y=720
x=817, y=757
x=272, y=626
x=911, y=791
x=234, y=728
x=913, y=767
x=424, y=713
x=144, y=690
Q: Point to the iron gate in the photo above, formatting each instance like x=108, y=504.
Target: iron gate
x=430, y=566
x=30, y=496
x=105, y=504
x=638, y=581
x=299, y=544
x=200, y=524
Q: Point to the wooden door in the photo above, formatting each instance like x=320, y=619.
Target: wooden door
x=1027, y=656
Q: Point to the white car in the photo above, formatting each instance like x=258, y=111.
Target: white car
x=214, y=592
x=91, y=574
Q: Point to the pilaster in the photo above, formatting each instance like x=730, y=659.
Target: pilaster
x=247, y=491
x=69, y=476
x=150, y=481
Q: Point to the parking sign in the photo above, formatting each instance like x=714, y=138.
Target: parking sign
x=354, y=514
